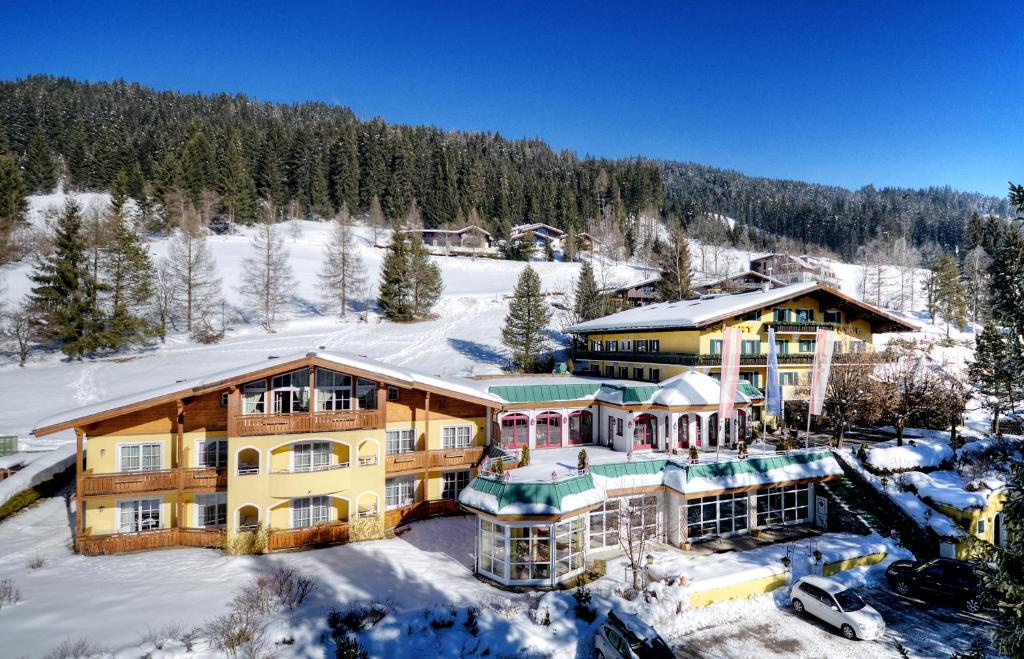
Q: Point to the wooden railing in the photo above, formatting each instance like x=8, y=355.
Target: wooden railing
x=396, y=463
x=420, y=510
x=448, y=458
x=135, y=482
x=801, y=327
x=275, y=424
x=117, y=543
x=456, y=457
x=322, y=534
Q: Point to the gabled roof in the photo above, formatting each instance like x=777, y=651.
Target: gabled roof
x=745, y=273
x=471, y=227
x=636, y=284
x=185, y=388
x=696, y=314
x=526, y=228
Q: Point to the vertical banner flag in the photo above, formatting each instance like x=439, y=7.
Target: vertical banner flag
x=824, y=340
x=730, y=374
x=773, y=393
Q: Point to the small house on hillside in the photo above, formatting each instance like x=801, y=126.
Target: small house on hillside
x=738, y=283
x=636, y=294
x=542, y=233
x=468, y=238
x=790, y=269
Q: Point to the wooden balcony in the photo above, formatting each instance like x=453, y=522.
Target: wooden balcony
x=202, y=479
x=796, y=327
x=119, y=543
x=303, y=422
x=321, y=534
x=448, y=458
x=420, y=510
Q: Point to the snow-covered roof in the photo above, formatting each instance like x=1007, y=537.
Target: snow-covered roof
x=557, y=496
x=526, y=228
x=689, y=388
x=686, y=314
x=471, y=227
x=636, y=284
x=393, y=374
x=745, y=273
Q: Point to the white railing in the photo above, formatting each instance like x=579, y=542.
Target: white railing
x=367, y=460
x=314, y=468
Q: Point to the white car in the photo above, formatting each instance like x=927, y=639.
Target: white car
x=625, y=636
x=837, y=605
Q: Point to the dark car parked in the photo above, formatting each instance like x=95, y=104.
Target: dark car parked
x=946, y=579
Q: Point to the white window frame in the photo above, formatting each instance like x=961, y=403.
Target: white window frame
x=401, y=497
x=201, y=453
x=254, y=397
x=137, y=504
x=334, y=391
x=141, y=446
x=203, y=501
x=405, y=437
x=460, y=479
x=292, y=391
x=318, y=509
x=456, y=431
x=319, y=459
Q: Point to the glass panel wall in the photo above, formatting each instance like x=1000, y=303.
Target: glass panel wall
x=569, y=546
x=724, y=514
x=530, y=549
x=783, y=505
x=604, y=525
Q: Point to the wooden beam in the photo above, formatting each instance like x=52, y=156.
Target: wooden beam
x=426, y=443
x=79, y=469
x=312, y=394
x=234, y=409
x=179, y=422
x=382, y=405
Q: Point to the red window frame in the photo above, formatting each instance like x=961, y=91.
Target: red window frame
x=513, y=428
x=645, y=428
x=683, y=433
x=575, y=436
x=551, y=434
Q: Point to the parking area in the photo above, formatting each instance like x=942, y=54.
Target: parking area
x=767, y=626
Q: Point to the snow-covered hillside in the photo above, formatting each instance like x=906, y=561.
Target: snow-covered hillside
x=463, y=339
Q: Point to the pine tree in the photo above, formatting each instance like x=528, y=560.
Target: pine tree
x=196, y=284
x=525, y=329
x=587, y=304
x=673, y=263
x=995, y=372
x=237, y=189
x=119, y=193
x=196, y=163
x=267, y=276
x=59, y=296
x=426, y=278
x=1006, y=582
x=342, y=273
x=128, y=280
x=410, y=284
x=40, y=168
x=950, y=297
x=12, y=203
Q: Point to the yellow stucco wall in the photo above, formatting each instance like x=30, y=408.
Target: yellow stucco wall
x=828, y=569
x=969, y=519
x=741, y=590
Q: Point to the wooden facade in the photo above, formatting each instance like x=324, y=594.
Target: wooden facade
x=213, y=411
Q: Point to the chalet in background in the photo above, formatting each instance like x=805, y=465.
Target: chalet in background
x=790, y=269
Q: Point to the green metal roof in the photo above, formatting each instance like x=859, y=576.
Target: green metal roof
x=750, y=465
x=749, y=390
x=550, y=494
x=539, y=393
x=637, y=394
x=632, y=468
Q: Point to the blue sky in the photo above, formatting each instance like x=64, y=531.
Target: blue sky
x=845, y=93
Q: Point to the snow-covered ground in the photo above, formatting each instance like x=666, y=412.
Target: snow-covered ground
x=34, y=467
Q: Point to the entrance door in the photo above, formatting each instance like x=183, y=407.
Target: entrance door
x=821, y=512
x=997, y=538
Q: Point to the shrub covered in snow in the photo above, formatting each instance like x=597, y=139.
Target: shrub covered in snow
x=9, y=593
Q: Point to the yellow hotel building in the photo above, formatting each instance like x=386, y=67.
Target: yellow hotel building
x=309, y=449
x=658, y=341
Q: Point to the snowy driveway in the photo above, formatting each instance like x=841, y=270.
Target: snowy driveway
x=767, y=626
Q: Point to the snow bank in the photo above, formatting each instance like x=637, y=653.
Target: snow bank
x=921, y=448
x=39, y=466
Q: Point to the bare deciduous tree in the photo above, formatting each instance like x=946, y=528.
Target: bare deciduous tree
x=266, y=276
x=342, y=273
x=193, y=277
x=18, y=327
x=634, y=537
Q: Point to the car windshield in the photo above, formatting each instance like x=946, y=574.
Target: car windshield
x=653, y=648
x=849, y=601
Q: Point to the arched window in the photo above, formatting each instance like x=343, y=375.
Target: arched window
x=549, y=430
x=581, y=427
x=515, y=430
x=713, y=430
x=741, y=426
x=697, y=431
x=645, y=431
x=683, y=433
